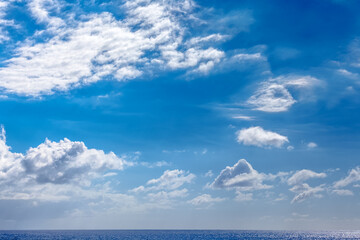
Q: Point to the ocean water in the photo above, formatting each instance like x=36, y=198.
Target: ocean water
x=174, y=234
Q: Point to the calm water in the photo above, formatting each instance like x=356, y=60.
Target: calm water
x=175, y=234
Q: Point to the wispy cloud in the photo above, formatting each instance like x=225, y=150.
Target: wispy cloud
x=301, y=176
x=353, y=176
x=304, y=191
x=205, y=199
x=274, y=95
x=170, y=180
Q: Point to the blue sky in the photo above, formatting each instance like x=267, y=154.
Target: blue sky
x=179, y=114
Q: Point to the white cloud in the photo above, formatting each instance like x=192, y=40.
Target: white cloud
x=4, y=23
x=10, y=163
x=210, y=38
x=257, y=136
x=304, y=191
x=303, y=175
x=290, y=148
x=271, y=98
x=209, y=174
x=205, y=199
x=41, y=10
x=354, y=176
x=274, y=95
x=240, y=176
x=348, y=74
x=66, y=161
x=245, y=118
x=150, y=37
x=343, y=192
x=169, y=180
x=299, y=82
x=312, y=145
x=53, y=171
x=164, y=191
x=248, y=57
x=155, y=164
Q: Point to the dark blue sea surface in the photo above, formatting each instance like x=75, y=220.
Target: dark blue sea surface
x=175, y=234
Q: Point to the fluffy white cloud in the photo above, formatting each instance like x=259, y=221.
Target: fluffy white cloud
x=303, y=175
x=274, y=95
x=354, y=176
x=53, y=170
x=241, y=176
x=151, y=36
x=205, y=199
x=304, y=191
x=257, y=136
x=66, y=161
x=10, y=163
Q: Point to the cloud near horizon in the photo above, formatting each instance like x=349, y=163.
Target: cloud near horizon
x=50, y=170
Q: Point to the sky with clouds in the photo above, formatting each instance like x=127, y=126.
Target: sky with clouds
x=179, y=114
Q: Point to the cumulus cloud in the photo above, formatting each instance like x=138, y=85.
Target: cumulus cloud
x=152, y=35
x=52, y=170
x=274, y=95
x=257, y=136
x=241, y=176
x=303, y=175
x=66, y=161
x=205, y=199
x=353, y=176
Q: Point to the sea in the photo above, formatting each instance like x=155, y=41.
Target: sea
x=176, y=235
